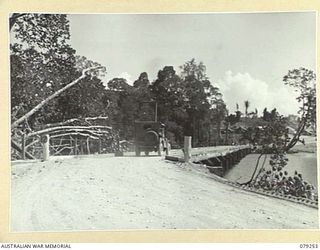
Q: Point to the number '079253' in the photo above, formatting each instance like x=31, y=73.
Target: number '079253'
x=308, y=246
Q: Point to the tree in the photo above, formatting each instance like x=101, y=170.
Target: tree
x=273, y=139
x=218, y=114
x=169, y=92
x=200, y=97
x=238, y=115
x=141, y=94
x=266, y=115
x=304, y=82
x=232, y=119
x=43, y=65
x=124, y=108
x=41, y=60
x=196, y=103
x=274, y=114
x=246, y=105
x=89, y=99
x=45, y=31
x=142, y=81
x=45, y=71
x=192, y=69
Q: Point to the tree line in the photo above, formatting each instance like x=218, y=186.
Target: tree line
x=42, y=62
x=188, y=104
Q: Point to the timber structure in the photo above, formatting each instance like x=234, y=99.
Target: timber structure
x=217, y=159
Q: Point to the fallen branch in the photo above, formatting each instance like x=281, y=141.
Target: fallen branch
x=63, y=128
x=96, y=118
x=86, y=132
x=86, y=119
x=76, y=133
x=55, y=94
x=59, y=146
x=50, y=125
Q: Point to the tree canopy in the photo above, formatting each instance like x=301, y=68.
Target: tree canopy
x=304, y=83
x=188, y=102
x=42, y=63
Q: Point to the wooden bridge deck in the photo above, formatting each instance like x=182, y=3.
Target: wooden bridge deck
x=217, y=159
x=198, y=154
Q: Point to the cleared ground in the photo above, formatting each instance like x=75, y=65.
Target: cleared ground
x=102, y=192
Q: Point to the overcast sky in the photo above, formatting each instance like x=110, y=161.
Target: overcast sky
x=246, y=55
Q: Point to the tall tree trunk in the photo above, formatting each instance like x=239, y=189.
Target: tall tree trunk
x=255, y=170
x=296, y=137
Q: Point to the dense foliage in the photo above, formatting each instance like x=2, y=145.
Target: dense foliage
x=42, y=62
x=272, y=141
x=187, y=104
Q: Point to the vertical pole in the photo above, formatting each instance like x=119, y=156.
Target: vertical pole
x=45, y=147
x=76, y=146
x=81, y=147
x=88, y=146
x=71, y=146
x=23, y=147
x=100, y=145
x=187, y=148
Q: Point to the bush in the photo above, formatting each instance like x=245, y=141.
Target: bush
x=278, y=180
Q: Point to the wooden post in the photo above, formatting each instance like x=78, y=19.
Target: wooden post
x=118, y=152
x=88, y=146
x=187, y=148
x=23, y=147
x=100, y=145
x=81, y=147
x=45, y=146
x=71, y=146
x=76, y=146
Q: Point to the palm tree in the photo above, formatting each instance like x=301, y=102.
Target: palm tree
x=246, y=104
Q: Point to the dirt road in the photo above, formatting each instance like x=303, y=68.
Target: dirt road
x=101, y=192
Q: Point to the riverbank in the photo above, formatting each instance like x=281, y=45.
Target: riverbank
x=302, y=158
x=304, y=163
x=309, y=145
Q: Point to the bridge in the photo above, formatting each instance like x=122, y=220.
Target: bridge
x=217, y=159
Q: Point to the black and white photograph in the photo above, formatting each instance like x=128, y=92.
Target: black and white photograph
x=163, y=121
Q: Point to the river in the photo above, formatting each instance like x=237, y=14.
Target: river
x=304, y=163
